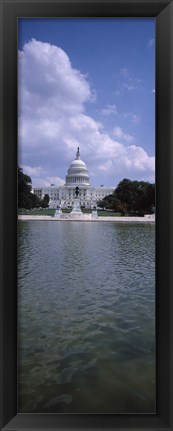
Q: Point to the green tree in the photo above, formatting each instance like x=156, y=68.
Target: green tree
x=45, y=201
x=125, y=193
x=148, y=196
x=139, y=196
x=24, y=189
x=35, y=201
x=26, y=199
x=106, y=202
x=131, y=196
x=109, y=202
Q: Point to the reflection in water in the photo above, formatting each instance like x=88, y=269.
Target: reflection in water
x=86, y=326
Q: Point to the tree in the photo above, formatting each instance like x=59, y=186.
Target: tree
x=24, y=189
x=139, y=196
x=125, y=192
x=35, y=201
x=45, y=201
x=109, y=202
x=131, y=196
x=26, y=199
x=148, y=196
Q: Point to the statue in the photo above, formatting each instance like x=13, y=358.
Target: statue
x=77, y=191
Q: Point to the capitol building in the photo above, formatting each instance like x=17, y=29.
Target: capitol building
x=77, y=175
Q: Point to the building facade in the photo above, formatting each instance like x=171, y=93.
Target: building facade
x=77, y=175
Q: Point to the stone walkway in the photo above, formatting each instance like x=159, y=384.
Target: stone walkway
x=146, y=219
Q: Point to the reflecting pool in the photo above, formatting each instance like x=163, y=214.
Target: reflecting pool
x=86, y=317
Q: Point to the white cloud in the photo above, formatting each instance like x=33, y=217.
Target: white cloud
x=106, y=166
x=32, y=171
x=35, y=172
x=124, y=72
x=134, y=118
x=151, y=43
x=153, y=91
x=46, y=182
x=53, y=122
x=49, y=82
x=118, y=133
x=132, y=160
x=109, y=110
x=128, y=82
x=129, y=87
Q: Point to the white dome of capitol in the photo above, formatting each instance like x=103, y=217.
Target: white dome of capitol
x=77, y=164
x=77, y=172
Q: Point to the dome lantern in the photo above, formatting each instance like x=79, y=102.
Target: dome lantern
x=77, y=154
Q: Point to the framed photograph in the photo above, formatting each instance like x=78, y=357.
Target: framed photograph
x=86, y=300
x=86, y=328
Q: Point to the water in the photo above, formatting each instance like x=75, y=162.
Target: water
x=86, y=317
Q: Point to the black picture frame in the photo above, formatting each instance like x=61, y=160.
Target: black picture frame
x=162, y=10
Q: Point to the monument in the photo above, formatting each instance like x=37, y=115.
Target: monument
x=58, y=212
x=94, y=213
x=75, y=214
x=76, y=205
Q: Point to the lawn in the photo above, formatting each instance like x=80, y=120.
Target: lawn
x=51, y=212
x=102, y=213
x=46, y=211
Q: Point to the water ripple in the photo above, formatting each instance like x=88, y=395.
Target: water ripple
x=86, y=332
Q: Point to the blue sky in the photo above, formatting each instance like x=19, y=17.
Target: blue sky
x=87, y=82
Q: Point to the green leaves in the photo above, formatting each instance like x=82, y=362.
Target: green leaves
x=26, y=199
x=45, y=201
x=136, y=197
